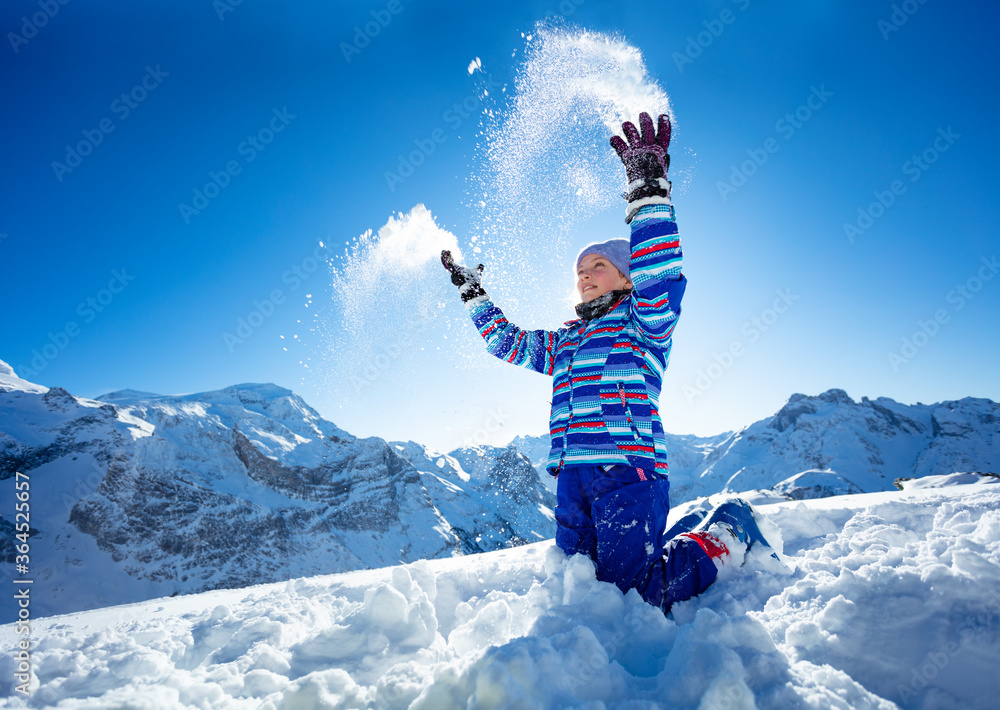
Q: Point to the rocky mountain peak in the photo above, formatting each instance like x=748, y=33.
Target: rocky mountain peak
x=59, y=399
x=836, y=396
x=799, y=404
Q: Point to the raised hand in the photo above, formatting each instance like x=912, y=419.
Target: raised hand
x=469, y=282
x=646, y=162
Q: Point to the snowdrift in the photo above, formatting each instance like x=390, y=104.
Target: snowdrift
x=888, y=599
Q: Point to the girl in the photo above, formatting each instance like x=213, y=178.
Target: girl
x=608, y=446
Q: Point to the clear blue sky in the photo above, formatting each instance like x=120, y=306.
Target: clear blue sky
x=108, y=285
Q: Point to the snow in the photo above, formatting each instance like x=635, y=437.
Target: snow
x=385, y=292
x=547, y=134
x=889, y=599
x=951, y=479
x=147, y=495
x=829, y=445
x=275, y=419
x=10, y=382
x=815, y=484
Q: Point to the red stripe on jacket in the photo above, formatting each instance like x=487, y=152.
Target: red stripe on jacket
x=652, y=249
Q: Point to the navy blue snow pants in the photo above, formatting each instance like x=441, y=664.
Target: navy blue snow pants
x=618, y=520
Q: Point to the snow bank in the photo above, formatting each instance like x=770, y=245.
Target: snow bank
x=893, y=601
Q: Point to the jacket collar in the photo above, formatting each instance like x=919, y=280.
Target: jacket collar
x=602, y=304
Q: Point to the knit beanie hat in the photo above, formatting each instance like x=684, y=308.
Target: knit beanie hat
x=617, y=251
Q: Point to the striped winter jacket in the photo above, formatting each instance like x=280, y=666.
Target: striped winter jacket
x=606, y=372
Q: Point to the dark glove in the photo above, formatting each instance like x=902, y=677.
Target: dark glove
x=469, y=282
x=646, y=162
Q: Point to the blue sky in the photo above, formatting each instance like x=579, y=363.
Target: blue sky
x=838, y=205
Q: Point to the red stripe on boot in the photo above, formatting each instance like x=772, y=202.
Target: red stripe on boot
x=712, y=546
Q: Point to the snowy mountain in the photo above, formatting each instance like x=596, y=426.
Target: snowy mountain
x=492, y=497
x=149, y=495
x=852, y=446
x=886, y=600
x=831, y=445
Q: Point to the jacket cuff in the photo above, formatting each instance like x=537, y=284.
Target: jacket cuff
x=477, y=301
x=636, y=205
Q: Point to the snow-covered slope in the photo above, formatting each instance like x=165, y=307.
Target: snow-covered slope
x=146, y=495
x=888, y=600
x=945, y=481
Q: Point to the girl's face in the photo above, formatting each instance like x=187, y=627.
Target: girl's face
x=598, y=276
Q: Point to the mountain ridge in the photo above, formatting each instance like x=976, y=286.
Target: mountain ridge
x=168, y=494
x=856, y=446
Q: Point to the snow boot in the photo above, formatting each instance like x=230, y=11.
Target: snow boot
x=740, y=516
x=690, y=563
x=686, y=524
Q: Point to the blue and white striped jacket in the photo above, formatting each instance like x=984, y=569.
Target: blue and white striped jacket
x=606, y=372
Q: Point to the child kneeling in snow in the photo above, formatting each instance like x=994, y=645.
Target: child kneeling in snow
x=608, y=445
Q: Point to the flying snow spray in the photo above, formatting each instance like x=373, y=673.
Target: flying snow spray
x=543, y=169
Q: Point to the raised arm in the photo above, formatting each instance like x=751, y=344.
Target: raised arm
x=655, y=267
x=533, y=349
